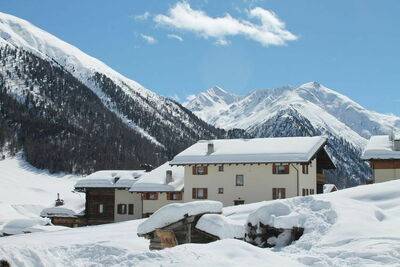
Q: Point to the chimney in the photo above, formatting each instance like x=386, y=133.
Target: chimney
x=168, y=177
x=210, y=148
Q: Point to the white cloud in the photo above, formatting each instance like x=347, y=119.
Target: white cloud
x=269, y=30
x=142, y=17
x=222, y=42
x=149, y=39
x=174, y=36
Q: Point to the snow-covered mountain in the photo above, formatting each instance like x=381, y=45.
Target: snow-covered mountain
x=309, y=109
x=65, y=108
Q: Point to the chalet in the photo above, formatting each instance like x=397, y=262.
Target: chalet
x=64, y=216
x=238, y=171
x=159, y=187
x=107, y=196
x=383, y=153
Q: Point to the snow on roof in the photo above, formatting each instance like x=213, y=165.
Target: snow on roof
x=155, y=181
x=175, y=212
x=57, y=212
x=329, y=188
x=380, y=147
x=221, y=226
x=110, y=179
x=257, y=150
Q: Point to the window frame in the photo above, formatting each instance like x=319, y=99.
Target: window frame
x=238, y=202
x=278, y=193
x=121, y=209
x=275, y=168
x=220, y=190
x=305, y=168
x=171, y=196
x=236, y=180
x=147, y=196
x=196, y=168
x=195, y=193
x=131, y=209
x=100, y=208
x=220, y=168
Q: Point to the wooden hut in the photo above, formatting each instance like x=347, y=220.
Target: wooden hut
x=177, y=233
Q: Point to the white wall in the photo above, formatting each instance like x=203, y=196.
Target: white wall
x=258, y=182
x=125, y=197
x=384, y=175
x=151, y=206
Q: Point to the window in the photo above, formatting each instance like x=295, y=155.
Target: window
x=305, y=192
x=221, y=168
x=101, y=208
x=311, y=191
x=150, y=196
x=304, y=168
x=280, y=169
x=199, y=170
x=121, y=208
x=130, y=209
x=174, y=196
x=239, y=180
x=220, y=190
x=199, y=193
x=238, y=202
x=278, y=193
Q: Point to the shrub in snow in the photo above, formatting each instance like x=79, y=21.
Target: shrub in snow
x=177, y=211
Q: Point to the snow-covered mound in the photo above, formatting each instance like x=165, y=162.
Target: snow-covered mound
x=25, y=191
x=352, y=227
x=176, y=211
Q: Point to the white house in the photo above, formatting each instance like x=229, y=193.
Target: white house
x=237, y=171
x=159, y=187
x=107, y=196
x=383, y=153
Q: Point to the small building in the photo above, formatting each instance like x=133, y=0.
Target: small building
x=107, y=197
x=64, y=217
x=383, y=154
x=238, y=171
x=159, y=187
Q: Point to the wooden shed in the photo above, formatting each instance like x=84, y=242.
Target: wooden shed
x=181, y=232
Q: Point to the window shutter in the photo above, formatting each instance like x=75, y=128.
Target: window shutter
x=119, y=208
x=130, y=207
x=205, y=169
x=194, y=193
x=283, y=193
x=287, y=169
x=194, y=170
x=304, y=192
x=274, y=168
x=205, y=193
x=273, y=193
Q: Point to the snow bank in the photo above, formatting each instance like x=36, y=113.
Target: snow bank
x=221, y=226
x=176, y=211
x=21, y=226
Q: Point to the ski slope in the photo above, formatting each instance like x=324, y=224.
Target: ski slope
x=25, y=190
x=352, y=227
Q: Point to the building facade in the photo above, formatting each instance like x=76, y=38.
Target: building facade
x=159, y=187
x=383, y=154
x=240, y=171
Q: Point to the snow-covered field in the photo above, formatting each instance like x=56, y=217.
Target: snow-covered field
x=352, y=227
x=25, y=191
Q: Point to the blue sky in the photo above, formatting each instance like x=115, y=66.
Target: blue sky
x=178, y=48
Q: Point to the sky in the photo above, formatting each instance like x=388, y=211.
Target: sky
x=180, y=48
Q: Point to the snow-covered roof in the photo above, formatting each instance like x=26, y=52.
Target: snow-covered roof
x=176, y=211
x=257, y=150
x=156, y=180
x=110, y=179
x=380, y=147
x=328, y=188
x=57, y=212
